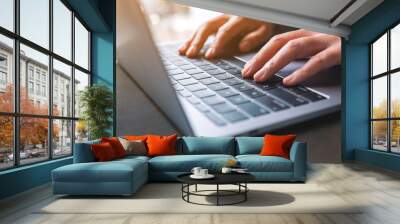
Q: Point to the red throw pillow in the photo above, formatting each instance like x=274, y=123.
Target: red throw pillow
x=116, y=145
x=161, y=145
x=103, y=152
x=277, y=145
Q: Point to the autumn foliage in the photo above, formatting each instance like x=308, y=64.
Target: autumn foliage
x=380, y=127
x=33, y=131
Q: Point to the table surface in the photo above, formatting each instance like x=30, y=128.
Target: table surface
x=220, y=178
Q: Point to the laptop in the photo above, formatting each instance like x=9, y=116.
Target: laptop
x=210, y=98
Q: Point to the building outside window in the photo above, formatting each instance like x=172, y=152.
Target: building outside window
x=58, y=128
x=385, y=91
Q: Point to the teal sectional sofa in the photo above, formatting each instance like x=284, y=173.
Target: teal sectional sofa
x=125, y=176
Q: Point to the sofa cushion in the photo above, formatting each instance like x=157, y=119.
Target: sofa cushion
x=277, y=145
x=161, y=145
x=257, y=163
x=83, y=152
x=249, y=145
x=185, y=163
x=116, y=145
x=103, y=152
x=113, y=171
x=207, y=145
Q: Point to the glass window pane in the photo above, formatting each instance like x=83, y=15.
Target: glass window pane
x=81, y=131
x=395, y=135
x=6, y=74
x=33, y=140
x=395, y=47
x=379, y=135
x=81, y=45
x=34, y=80
x=62, y=89
x=379, y=55
x=379, y=97
x=395, y=94
x=62, y=29
x=34, y=21
x=7, y=14
x=6, y=142
x=62, y=138
x=81, y=81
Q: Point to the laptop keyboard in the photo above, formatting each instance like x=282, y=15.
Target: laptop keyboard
x=216, y=88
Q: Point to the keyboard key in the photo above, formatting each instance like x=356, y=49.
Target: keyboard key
x=201, y=107
x=199, y=62
x=181, y=62
x=209, y=81
x=204, y=93
x=227, y=92
x=288, y=97
x=254, y=93
x=213, y=100
x=216, y=72
x=236, y=72
x=195, y=87
x=193, y=100
x=242, y=87
x=217, y=86
x=253, y=109
x=238, y=99
x=186, y=82
x=225, y=66
x=178, y=87
x=173, y=82
x=223, y=108
x=201, y=75
x=215, y=119
x=185, y=93
x=187, y=67
x=233, y=81
x=174, y=72
x=235, y=116
x=193, y=71
x=207, y=67
x=272, y=104
x=181, y=76
x=223, y=76
x=306, y=93
x=313, y=96
x=170, y=67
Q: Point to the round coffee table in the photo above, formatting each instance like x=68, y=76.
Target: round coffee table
x=238, y=179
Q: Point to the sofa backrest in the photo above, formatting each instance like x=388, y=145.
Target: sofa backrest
x=249, y=145
x=206, y=145
x=83, y=152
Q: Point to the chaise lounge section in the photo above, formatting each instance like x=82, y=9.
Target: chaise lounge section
x=125, y=176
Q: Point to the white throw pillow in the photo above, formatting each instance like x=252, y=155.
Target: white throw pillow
x=136, y=147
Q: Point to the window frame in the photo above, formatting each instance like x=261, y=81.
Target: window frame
x=388, y=74
x=16, y=114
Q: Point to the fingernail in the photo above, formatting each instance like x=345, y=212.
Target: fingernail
x=191, y=52
x=246, y=71
x=210, y=53
x=287, y=81
x=259, y=76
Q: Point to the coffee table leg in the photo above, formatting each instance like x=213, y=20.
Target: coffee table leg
x=217, y=194
x=245, y=193
x=195, y=188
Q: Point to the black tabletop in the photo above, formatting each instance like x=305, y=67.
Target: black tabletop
x=220, y=178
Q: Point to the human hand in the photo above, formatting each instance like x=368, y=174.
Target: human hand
x=324, y=51
x=232, y=32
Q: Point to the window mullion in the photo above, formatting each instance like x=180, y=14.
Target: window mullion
x=389, y=101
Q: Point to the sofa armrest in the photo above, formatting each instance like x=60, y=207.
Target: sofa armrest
x=83, y=152
x=298, y=155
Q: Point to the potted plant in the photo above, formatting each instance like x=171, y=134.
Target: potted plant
x=96, y=102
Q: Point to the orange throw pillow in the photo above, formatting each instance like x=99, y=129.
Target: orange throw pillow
x=136, y=137
x=277, y=145
x=116, y=145
x=103, y=152
x=161, y=145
